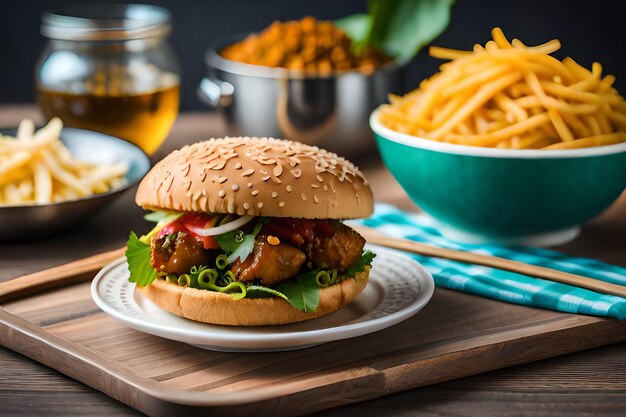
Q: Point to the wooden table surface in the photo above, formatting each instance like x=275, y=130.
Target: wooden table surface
x=591, y=383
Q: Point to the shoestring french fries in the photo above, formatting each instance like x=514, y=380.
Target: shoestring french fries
x=509, y=95
x=36, y=168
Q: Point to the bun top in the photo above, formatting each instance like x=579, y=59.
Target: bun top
x=258, y=177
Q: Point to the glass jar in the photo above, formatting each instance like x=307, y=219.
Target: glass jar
x=109, y=68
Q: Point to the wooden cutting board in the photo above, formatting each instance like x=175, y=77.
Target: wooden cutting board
x=455, y=336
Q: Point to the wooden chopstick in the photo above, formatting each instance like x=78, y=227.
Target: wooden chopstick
x=491, y=261
x=57, y=275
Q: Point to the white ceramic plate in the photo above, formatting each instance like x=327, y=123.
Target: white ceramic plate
x=398, y=288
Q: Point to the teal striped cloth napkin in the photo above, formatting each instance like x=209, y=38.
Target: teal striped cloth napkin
x=502, y=285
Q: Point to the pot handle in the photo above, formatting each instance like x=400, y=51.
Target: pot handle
x=215, y=93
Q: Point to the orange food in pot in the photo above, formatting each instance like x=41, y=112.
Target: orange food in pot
x=306, y=45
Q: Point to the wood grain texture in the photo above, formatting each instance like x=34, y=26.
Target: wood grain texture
x=457, y=335
x=581, y=384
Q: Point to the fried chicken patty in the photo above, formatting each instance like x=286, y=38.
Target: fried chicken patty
x=177, y=253
x=270, y=264
x=327, y=244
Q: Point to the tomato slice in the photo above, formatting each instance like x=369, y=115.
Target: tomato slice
x=193, y=220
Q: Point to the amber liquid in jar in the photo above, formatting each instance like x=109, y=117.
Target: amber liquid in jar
x=142, y=118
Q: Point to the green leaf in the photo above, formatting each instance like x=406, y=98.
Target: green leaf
x=399, y=28
x=228, y=241
x=237, y=244
x=156, y=216
x=259, y=291
x=357, y=27
x=302, y=292
x=244, y=249
x=138, y=257
x=359, y=266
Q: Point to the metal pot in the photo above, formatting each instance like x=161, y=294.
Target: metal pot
x=331, y=111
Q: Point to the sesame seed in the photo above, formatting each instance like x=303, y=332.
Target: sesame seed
x=262, y=171
x=315, y=199
x=255, y=192
x=288, y=188
x=260, y=205
x=278, y=169
x=247, y=172
x=274, y=194
x=231, y=205
x=222, y=180
x=235, y=187
x=315, y=186
x=281, y=204
x=246, y=206
x=325, y=187
x=296, y=172
x=222, y=193
x=303, y=196
x=319, y=178
x=249, y=185
x=266, y=178
x=238, y=165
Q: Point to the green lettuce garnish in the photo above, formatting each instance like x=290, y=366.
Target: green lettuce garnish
x=238, y=244
x=138, y=257
x=302, y=292
x=362, y=263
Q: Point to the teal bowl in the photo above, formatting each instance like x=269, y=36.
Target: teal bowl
x=502, y=196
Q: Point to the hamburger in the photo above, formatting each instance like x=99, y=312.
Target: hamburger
x=249, y=232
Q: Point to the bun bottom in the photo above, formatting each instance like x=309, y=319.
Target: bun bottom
x=217, y=308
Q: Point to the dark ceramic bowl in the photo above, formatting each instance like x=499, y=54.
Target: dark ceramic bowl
x=33, y=221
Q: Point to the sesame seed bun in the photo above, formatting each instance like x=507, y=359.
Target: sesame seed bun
x=217, y=308
x=258, y=177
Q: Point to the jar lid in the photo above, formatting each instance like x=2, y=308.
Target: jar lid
x=105, y=22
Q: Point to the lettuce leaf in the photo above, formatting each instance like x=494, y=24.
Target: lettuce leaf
x=138, y=257
x=302, y=292
x=364, y=261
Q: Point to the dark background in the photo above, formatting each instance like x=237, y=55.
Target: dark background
x=592, y=30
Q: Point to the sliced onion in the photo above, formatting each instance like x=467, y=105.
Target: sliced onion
x=213, y=231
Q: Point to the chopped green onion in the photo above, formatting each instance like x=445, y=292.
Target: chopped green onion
x=207, y=280
x=222, y=261
x=323, y=279
x=184, y=280
x=230, y=277
x=334, y=277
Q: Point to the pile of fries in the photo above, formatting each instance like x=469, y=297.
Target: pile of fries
x=36, y=168
x=509, y=95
